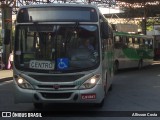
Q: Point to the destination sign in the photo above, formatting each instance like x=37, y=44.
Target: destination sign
x=44, y=65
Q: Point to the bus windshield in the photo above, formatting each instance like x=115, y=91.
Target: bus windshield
x=57, y=48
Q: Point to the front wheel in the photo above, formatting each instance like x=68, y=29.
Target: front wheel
x=99, y=105
x=111, y=87
x=116, y=67
x=38, y=105
x=140, y=64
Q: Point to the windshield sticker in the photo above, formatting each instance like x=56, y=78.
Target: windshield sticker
x=44, y=65
x=18, y=52
x=62, y=63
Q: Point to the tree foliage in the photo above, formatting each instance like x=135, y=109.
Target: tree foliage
x=150, y=23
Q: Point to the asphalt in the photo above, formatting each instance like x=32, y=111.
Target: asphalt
x=6, y=75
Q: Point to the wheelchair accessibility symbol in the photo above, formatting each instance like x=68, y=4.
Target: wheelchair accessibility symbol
x=62, y=63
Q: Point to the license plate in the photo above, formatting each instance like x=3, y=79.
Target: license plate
x=88, y=96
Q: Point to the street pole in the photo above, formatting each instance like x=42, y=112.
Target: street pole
x=144, y=19
x=6, y=24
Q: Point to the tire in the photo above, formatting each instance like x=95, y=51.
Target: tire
x=116, y=67
x=111, y=87
x=38, y=105
x=105, y=87
x=1, y=66
x=100, y=105
x=140, y=64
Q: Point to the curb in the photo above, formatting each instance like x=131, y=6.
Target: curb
x=6, y=79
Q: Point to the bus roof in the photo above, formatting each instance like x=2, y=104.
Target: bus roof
x=132, y=35
x=71, y=12
x=59, y=4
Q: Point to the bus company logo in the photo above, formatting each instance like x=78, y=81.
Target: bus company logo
x=56, y=86
x=6, y=114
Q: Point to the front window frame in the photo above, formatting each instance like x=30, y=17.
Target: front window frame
x=54, y=71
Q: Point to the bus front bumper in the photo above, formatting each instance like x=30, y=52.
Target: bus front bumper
x=93, y=95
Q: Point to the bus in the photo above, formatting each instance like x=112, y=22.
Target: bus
x=156, y=47
x=132, y=50
x=49, y=64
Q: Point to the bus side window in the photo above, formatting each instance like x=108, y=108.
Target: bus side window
x=104, y=35
x=110, y=39
x=133, y=41
x=146, y=43
x=124, y=42
x=104, y=30
x=150, y=45
x=141, y=43
x=127, y=41
x=121, y=42
x=116, y=41
x=136, y=43
x=130, y=42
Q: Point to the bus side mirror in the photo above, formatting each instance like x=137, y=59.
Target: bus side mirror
x=104, y=30
x=7, y=33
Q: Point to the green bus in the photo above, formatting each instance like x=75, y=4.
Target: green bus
x=132, y=50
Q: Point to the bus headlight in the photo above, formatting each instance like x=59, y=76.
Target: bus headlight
x=90, y=82
x=23, y=83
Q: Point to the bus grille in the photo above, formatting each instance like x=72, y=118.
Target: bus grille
x=60, y=87
x=60, y=78
x=56, y=95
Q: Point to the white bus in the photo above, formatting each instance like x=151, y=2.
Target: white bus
x=133, y=50
x=50, y=64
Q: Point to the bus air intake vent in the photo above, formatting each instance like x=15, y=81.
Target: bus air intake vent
x=56, y=95
x=60, y=78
